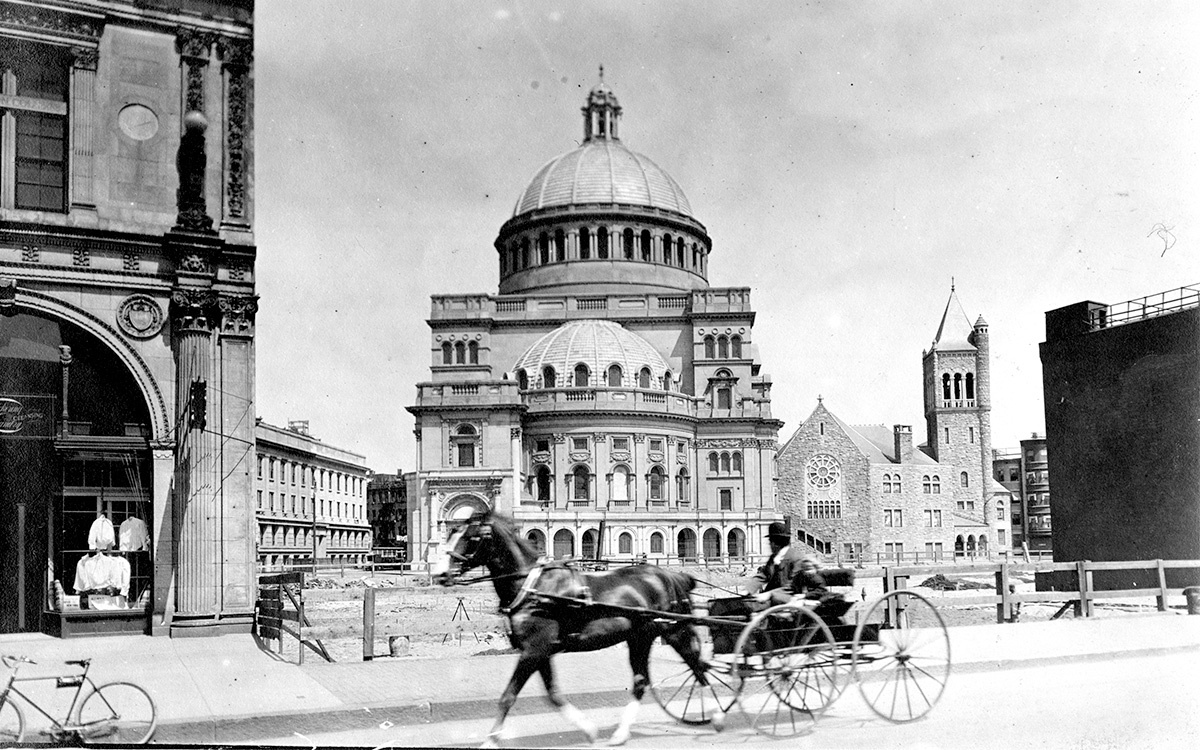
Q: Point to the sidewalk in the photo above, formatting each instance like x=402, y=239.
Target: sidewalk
x=227, y=689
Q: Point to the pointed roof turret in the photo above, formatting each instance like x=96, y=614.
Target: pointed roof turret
x=601, y=113
x=954, y=332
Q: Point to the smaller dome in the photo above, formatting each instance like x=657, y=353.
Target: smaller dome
x=596, y=344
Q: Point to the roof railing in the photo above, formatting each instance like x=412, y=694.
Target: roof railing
x=1163, y=303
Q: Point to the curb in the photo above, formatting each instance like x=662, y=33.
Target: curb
x=247, y=728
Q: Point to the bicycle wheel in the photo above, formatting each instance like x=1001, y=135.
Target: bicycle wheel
x=117, y=713
x=12, y=723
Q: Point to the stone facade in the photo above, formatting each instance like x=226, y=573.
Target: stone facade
x=129, y=231
x=608, y=398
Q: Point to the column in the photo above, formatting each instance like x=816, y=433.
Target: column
x=83, y=105
x=162, y=532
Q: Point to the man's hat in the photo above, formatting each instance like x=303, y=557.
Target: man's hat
x=778, y=529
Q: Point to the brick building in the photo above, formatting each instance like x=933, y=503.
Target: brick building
x=1122, y=392
x=1025, y=472
x=867, y=493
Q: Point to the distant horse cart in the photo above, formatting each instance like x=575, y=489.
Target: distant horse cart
x=781, y=667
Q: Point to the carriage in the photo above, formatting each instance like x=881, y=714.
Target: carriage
x=782, y=667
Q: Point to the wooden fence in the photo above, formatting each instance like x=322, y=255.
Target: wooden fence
x=274, y=618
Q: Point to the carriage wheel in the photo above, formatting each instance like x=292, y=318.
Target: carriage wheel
x=787, y=670
x=901, y=656
x=676, y=688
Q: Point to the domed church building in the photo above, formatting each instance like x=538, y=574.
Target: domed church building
x=607, y=398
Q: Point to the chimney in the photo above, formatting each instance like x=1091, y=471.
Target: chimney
x=904, y=446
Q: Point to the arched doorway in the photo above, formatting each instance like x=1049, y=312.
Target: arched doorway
x=64, y=467
x=564, y=544
x=537, y=540
x=712, y=544
x=687, y=544
x=589, y=551
x=736, y=544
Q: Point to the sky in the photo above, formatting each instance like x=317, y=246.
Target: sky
x=850, y=161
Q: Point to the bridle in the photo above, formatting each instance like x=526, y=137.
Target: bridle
x=479, y=537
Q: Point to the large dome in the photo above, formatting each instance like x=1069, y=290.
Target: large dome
x=596, y=344
x=603, y=171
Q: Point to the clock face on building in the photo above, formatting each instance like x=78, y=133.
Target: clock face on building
x=138, y=122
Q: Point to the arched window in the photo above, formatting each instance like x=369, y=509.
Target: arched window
x=447, y=354
x=602, y=243
x=564, y=544
x=682, y=486
x=543, y=248
x=625, y=543
x=537, y=540
x=585, y=243
x=644, y=378
x=724, y=398
x=589, y=545
x=560, y=246
x=937, y=485
x=687, y=544
x=999, y=510
x=666, y=380
x=465, y=439
x=679, y=251
x=710, y=350
x=525, y=252
x=696, y=257
x=620, y=484
x=614, y=376
x=522, y=380
x=964, y=480
x=926, y=485
x=735, y=347
x=460, y=353
x=656, y=543
x=581, y=481
x=656, y=483
x=712, y=544
x=735, y=543
x=724, y=463
x=627, y=243
x=887, y=484
x=668, y=249
x=543, y=484
x=970, y=385
x=957, y=386
x=473, y=353
x=581, y=375
x=713, y=460
x=723, y=348
x=946, y=386
x=737, y=463
x=647, y=253
x=959, y=547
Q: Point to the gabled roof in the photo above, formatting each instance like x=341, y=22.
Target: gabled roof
x=876, y=442
x=954, y=332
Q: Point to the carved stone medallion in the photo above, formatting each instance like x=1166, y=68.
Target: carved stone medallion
x=140, y=316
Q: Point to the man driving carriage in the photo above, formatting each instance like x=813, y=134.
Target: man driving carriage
x=790, y=573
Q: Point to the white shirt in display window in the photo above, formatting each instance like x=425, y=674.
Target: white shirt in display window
x=133, y=534
x=100, y=536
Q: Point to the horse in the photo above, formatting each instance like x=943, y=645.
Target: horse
x=554, y=608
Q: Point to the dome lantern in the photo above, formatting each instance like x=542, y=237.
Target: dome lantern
x=601, y=113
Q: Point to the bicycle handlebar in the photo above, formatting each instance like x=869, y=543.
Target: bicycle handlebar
x=9, y=661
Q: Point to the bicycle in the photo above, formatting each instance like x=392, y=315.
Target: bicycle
x=117, y=713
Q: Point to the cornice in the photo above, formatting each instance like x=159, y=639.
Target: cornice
x=418, y=410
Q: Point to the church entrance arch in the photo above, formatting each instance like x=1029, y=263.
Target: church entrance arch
x=73, y=476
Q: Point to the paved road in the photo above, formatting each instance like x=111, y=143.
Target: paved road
x=1129, y=702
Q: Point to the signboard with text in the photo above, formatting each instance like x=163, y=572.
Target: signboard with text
x=24, y=416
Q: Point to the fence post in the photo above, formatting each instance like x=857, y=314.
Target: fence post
x=368, y=624
x=1162, y=587
x=1083, y=608
x=1002, y=608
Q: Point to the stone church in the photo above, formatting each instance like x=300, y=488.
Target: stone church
x=866, y=494
x=606, y=398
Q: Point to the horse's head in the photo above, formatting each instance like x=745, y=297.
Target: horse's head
x=469, y=546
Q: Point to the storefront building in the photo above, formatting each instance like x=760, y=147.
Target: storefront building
x=127, y=304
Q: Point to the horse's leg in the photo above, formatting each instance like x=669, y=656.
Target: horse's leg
x=527, y=664
x=639, y=661
x=569, y=712
x=683, y=640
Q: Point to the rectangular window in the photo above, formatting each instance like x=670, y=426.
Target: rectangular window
x=1002, y=537
x=971, y=432
x=929, y=518
x=726, y=499
x=271, y=501
x=466, y=454
x=260, y=499
x=937, y=518
x=947, y=434
x=620, y=444
x=681, y=448
x=261, y=461
x=542, y=446
x=33, y=124
x=893, y=517
x=656, y=446
x=579, y=444
x=271, y=469
x=303, y=476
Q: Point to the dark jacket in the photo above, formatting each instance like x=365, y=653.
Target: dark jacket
x=777, y=578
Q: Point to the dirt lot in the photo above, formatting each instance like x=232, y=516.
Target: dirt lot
x=428, y=617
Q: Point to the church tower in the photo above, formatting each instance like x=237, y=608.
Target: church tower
x=957, y=376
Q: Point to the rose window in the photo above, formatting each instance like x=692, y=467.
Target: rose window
x=823, y=472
